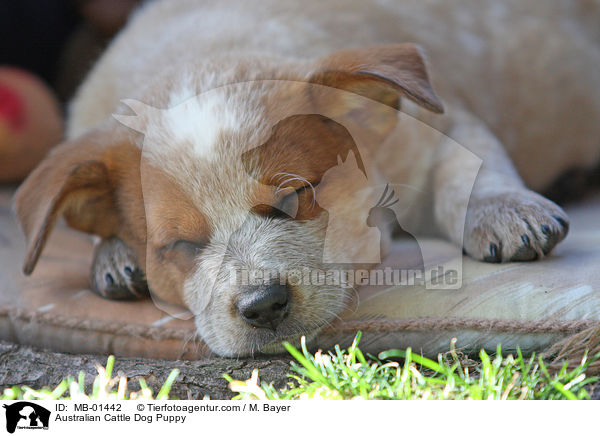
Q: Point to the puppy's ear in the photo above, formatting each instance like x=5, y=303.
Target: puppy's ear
x=74, y=180
x=382, y=73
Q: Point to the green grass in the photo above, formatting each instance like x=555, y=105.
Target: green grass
x=399, y=374
x=105, y=387
x=349, y=374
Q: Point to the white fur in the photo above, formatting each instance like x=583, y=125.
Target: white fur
x=199, y=121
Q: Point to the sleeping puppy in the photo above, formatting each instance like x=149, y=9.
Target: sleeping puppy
x=202, y=140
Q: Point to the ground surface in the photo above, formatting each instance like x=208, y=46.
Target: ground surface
x=22, y=365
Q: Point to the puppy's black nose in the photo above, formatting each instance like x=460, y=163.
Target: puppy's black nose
x=264, y=306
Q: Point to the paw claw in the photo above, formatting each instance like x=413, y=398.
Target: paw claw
x=562, y=222
x=494, y=256
x=551, y=241
x=108, y=278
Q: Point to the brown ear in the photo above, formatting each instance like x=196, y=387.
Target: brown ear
x=74, y=180
x=382, y=73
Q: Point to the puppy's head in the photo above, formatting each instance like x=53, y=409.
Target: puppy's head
x=231, y=190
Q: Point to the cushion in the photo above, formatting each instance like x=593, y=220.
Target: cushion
x=526, y=305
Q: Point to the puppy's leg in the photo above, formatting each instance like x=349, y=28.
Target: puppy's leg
x=115, y=272
x=505, y=221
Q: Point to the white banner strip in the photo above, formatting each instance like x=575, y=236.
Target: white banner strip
x=158, y=417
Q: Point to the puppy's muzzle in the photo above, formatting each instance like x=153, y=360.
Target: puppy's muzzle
x=264, y=306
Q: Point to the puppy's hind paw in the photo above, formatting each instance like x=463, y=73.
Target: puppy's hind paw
x=513, y=227
x=115, y=272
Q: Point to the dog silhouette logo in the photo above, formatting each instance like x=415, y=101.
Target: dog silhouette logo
x=26, y=415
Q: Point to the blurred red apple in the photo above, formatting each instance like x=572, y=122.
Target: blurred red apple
x=30, y=123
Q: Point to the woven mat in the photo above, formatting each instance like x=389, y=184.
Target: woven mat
x=529, y=305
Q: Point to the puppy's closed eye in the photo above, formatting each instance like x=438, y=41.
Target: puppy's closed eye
x=300, y=204
x=191, y=248
x=182, y=252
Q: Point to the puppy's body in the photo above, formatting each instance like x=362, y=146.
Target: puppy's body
x=522, y=76
x=528, y=70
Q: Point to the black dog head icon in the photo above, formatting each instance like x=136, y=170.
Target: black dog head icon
x=28, y=414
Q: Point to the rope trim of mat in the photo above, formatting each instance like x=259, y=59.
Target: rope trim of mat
x=583, y=336
x=116, y=328
x=374, y=326
x=496, y=325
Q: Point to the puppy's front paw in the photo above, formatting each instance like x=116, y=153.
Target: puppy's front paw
x=518, y=226
x=115, y=272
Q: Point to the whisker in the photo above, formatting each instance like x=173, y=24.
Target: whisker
x=293, y=177
x=389, y=197
x=382, y=195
